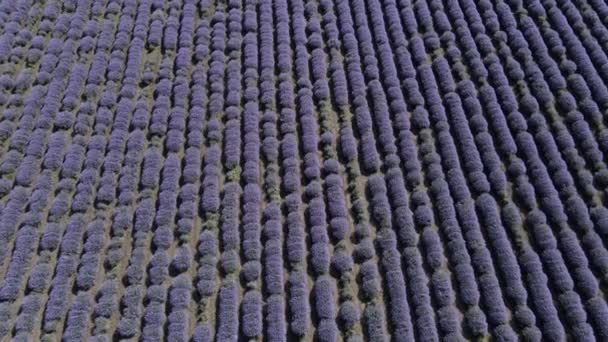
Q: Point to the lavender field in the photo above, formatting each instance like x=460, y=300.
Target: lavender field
x=299, y=170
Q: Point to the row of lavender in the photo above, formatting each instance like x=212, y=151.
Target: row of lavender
x=288, y=169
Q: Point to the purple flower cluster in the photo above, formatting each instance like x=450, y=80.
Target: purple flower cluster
x=278, y=170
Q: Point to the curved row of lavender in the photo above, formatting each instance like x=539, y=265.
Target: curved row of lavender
x=331, y=170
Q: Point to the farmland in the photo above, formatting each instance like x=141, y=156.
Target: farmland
x=299, y=170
